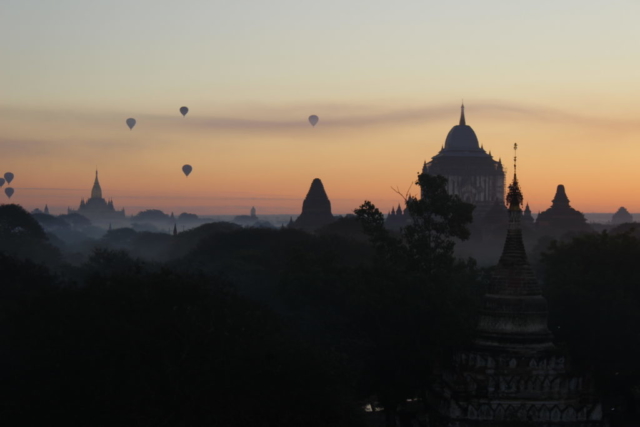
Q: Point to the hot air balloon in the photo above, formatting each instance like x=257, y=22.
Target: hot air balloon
x=131, y=122
x=1, y=182
x=313, y=120
x=187, y=169
x=184, y=110
x=9, y=177
x=8, y=191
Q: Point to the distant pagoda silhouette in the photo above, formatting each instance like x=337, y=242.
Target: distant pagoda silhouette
x=97, y=208
x=512, y=372
x=561, y=217
x=316, y=208
x=622, y=216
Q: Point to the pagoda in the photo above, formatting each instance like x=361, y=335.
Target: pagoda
x=96, y=208
x=622, y=216
x=316, y=208
x=561, y=218
x=512, y=374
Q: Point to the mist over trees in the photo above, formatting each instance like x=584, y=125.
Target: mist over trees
x=232, y=326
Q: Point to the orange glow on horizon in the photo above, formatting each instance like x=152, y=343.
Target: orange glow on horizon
x=270, y=163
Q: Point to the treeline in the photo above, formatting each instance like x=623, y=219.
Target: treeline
x=226, y=326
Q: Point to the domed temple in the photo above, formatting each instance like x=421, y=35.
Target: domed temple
x=473, y=174
x=512, y=374
x=96, y=208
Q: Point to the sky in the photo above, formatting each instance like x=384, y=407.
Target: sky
x=386, y=79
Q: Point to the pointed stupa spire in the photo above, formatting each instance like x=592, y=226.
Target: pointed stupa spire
x=504, y=324
x=316, y=208
x=46, y=209
x=96, y=191
x=560, y=199
x=463, y=122
x=514, y=197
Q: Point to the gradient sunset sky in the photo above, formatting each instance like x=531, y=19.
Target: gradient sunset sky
x=560, y=78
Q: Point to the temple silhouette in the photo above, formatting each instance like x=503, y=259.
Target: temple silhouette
x=512, y=371
x=96, y=208
x=561, y=217
x=471, y=171
x=316, y=208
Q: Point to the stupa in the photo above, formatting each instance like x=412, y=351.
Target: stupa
x=316, y=208
x=561, y=217
x=512, y=374
x=622, y=216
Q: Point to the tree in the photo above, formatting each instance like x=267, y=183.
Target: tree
x=15, y=221
x=50, y=221
x=140, y=344
x=187, y=217
x=421, y=300
x=23, y=237
x=591, y=283
x=119, y=238
x=437, y=218
x=151, y=215
x=76, y=219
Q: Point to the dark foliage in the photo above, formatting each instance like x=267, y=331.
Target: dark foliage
x=140, y=345
x=76, y=219
x=50, y=221
x=420, y=301
x=23, y=237
x=119, y=238
x=187, y=217
x=591, y=283
x=151, y=215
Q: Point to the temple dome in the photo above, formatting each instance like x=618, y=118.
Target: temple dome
x=462, y=137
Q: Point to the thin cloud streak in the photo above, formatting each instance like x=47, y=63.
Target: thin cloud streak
x=486, y=109
x=116, y=195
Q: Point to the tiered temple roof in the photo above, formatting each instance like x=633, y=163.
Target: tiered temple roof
x=96, y=207
x=561, y=217
x=512, y=372
x=472, y=173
